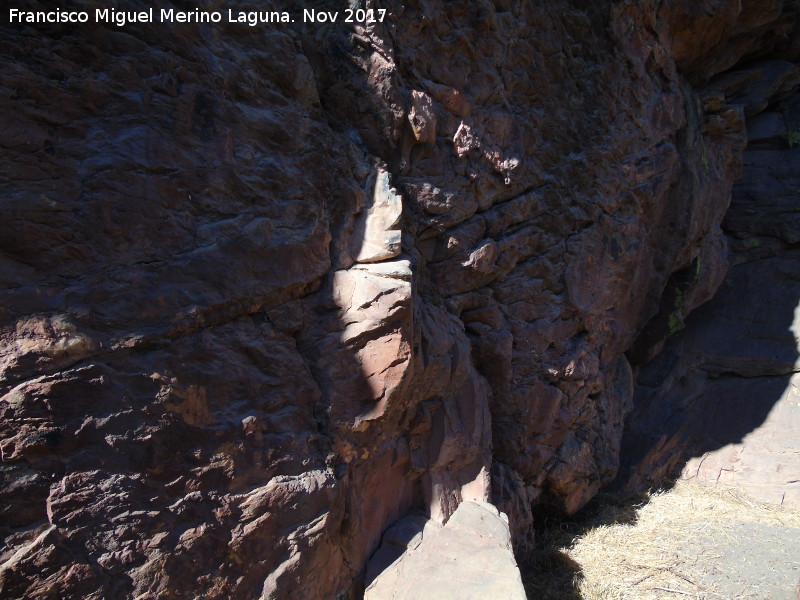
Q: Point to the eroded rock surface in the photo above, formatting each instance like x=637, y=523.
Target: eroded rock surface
x=723, y=397
x=267, y=291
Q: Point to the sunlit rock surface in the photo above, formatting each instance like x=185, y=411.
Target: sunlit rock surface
x=470, y=557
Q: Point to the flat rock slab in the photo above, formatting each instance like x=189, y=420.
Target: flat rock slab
x=766, y=462
x=469, y=558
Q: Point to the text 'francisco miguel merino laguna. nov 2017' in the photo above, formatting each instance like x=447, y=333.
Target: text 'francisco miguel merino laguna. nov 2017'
x=163, y=15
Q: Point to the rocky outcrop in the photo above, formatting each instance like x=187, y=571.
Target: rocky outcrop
x=721, y=403
x=268, y=291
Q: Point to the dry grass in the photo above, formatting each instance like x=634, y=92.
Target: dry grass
x=671, y=544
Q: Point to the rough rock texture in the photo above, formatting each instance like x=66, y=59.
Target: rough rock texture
x=723, y=396
x=470, y=557
x=267, y=291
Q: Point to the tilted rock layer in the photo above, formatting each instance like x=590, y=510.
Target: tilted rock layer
x=267, y=291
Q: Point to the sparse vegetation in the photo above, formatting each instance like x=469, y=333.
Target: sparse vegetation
x=679, y=543
x=793, y=138
x=675, y=322
x=705, y=161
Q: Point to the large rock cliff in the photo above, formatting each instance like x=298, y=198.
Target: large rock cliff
x=268, y=290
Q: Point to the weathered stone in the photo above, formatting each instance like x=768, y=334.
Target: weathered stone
x=470, y=557
x=377, y=231
x=231, y=356
x=720, y=403
x=422, y=117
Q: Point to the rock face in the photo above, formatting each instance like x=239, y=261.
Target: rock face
x=267, y=291
x=723, y=397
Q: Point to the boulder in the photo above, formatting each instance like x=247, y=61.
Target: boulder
x=469, y=557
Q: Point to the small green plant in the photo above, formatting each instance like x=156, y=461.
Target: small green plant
x=704, y=160
x=793, y=138
x=674, y=322
x=698, y=267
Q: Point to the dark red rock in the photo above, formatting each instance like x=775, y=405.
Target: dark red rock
x=720, y=402
x=228, y=365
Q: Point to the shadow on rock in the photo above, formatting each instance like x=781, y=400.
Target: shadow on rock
x=720, y=402
x=549, y=573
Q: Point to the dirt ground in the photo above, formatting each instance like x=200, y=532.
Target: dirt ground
x=691, y=541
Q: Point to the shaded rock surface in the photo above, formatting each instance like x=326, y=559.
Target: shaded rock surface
x=267, y=291
x=723, y=397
